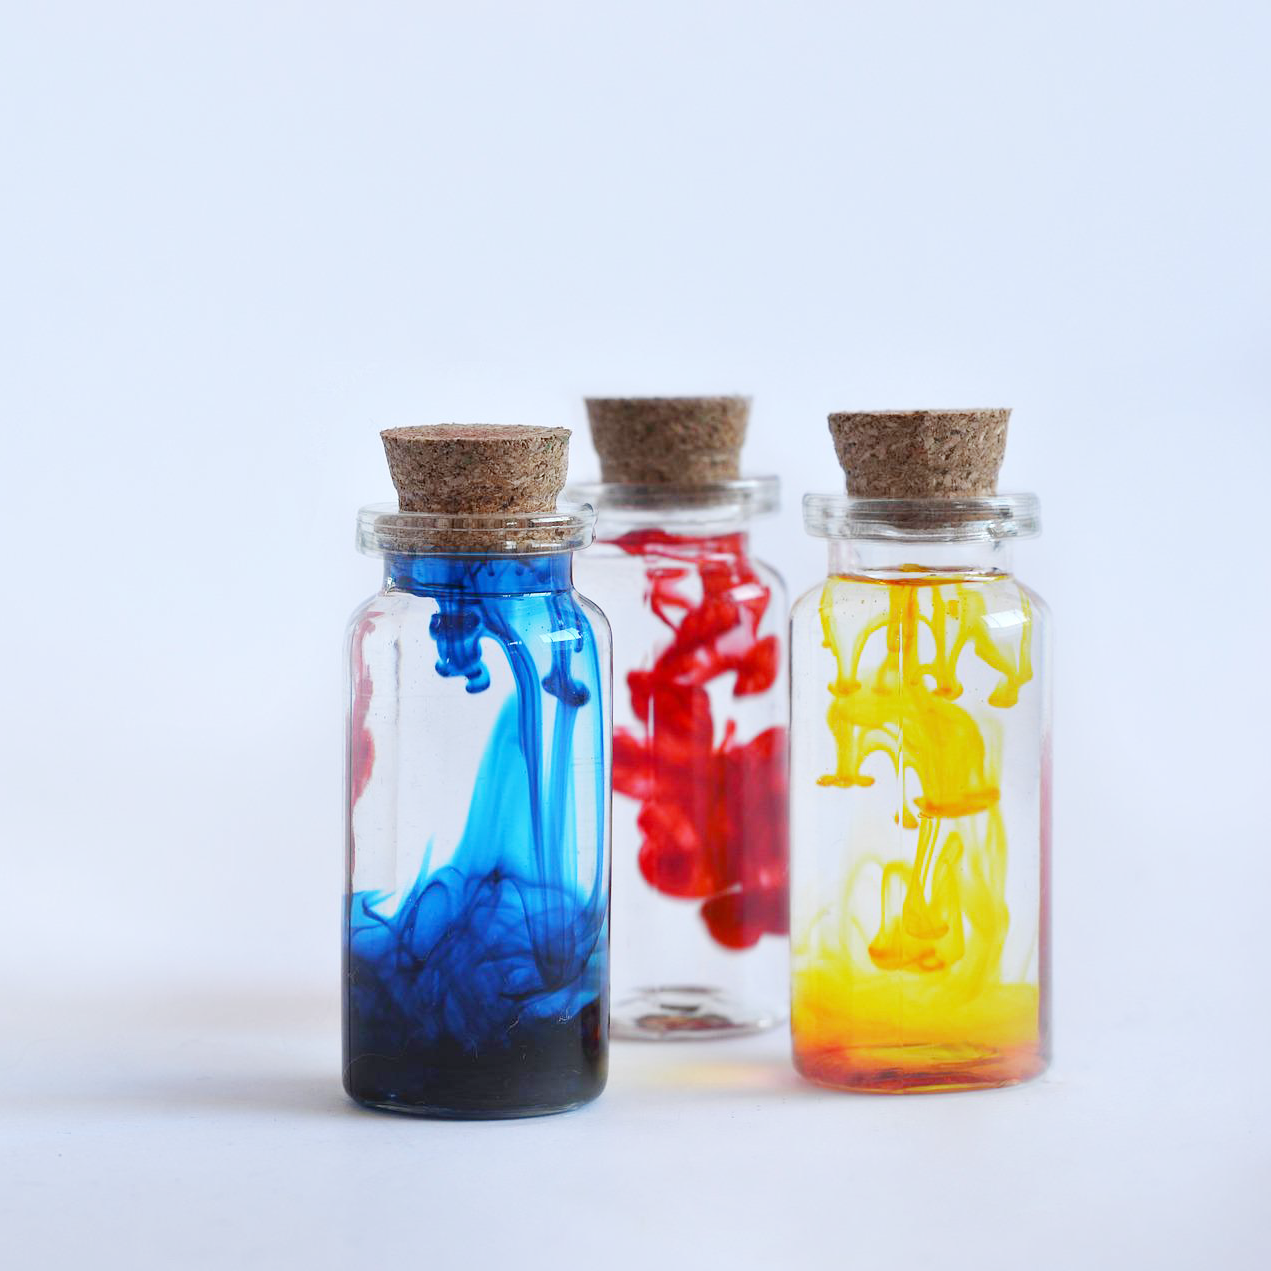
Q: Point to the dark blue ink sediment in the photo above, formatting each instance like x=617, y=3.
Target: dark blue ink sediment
x=483, y=991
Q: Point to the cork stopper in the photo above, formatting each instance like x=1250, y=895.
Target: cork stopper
x=915, y=454
x=477, y=469
x=474, y=470
x=683, y=441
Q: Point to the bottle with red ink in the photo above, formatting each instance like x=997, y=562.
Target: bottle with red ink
x=701, y=703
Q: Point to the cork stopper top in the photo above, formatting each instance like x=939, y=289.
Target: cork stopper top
x=683, y=441
x=914, y=454
x=477, y=469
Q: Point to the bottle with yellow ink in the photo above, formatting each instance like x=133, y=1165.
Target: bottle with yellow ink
x=920, y=768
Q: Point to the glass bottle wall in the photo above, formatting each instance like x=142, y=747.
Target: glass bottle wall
x=476, y=941
x=700, y=757
x=920, y=793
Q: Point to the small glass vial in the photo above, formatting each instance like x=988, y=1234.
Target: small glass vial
x=701, y=903
x=476, y=938
x=920, y=769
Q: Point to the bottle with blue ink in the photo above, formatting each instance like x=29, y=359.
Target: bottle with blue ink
x=478, y=778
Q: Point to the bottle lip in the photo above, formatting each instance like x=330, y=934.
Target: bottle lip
x=987, y=518
x=705, y=503
x=384, y=530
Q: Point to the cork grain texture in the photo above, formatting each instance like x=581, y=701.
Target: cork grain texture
x=683, y=441
x=913, y=454
x=475, y=470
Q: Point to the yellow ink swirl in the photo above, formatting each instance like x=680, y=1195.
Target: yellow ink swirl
x=922, y=1003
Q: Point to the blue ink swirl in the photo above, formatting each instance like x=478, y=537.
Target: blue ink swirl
x=483, y=991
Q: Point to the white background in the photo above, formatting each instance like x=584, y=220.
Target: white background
x=240, y=238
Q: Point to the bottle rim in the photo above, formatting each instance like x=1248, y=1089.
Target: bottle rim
x=383, y=529
x=963, y=519
x=705, y=503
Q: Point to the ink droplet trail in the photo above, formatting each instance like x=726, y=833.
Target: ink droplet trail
x=481, y=989
x=911, y=984
x=712, y=806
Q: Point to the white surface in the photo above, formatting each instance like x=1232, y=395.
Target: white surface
x=206, y=1130
x=239, y=238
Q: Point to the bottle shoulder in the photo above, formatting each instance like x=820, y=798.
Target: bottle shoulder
x=383, y=605
x=392, y=615
x=999, y=593
x=593, y=613
x=667, y=552
x=808, y=600
x=1040, y=605
x=771, y=576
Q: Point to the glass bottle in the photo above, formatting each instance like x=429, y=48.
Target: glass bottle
x=476, y=941
x=700, y=757
x=920, y=799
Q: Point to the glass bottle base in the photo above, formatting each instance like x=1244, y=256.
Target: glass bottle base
x=472, y=1114
x=686, y=1013
x=483, y=1096
x=919, y=1069
x=542, y=1067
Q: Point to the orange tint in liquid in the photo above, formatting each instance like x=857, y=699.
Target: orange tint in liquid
x=920, y=1002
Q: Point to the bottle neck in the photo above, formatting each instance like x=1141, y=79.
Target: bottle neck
x=885, y=556
x=479, y=575
x=716, y=509
x=688, y=528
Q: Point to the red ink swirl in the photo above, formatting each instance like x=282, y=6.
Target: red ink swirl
x=713, y=813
